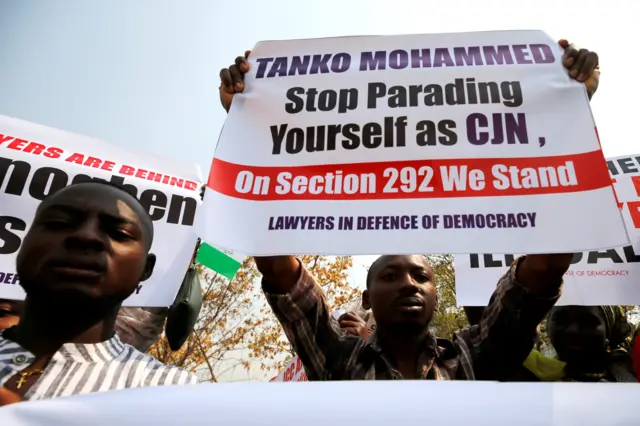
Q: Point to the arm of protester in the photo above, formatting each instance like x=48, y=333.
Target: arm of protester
x=8, y=397
x=232, y=80
x=582, y=64
x=299, y=304
x=505, y=335
x=474, y=314
x=352, y=324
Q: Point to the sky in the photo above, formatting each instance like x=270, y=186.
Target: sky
x=144, y=73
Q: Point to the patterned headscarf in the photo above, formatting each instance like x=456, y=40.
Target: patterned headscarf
x=619, y=331
x=620, y=336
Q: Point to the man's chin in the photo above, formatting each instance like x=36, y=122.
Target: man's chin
x=64, y=290
x=72, y=295
x=411, y=322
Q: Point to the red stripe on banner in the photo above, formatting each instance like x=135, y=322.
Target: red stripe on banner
x=413, y=179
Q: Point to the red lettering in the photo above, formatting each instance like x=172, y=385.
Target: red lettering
x=75, y=158
x=34, y=148
x=634, y=211
x=298, y=364
x=177, y=182
x=17, y=144
x=108, y=165
x=190, y=185
x=141, y=173
x=4, y=138
x=53, y=152
x=127, y=170
x=157, y=177
x=615, y=194
x=636, y=184
x=93, y=162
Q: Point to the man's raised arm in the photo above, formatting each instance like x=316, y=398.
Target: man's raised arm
x=298, y=303
x=506, y=333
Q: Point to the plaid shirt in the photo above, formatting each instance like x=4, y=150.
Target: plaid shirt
x=491, y=350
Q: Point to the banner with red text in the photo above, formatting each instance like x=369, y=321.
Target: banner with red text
x=36, y=160
x=598, y=277
x=444, y=143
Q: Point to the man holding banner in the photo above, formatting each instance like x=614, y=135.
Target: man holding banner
x=402, y=295
x=87, y=251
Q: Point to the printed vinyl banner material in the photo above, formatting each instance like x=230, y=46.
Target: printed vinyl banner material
x=446, y=143
x=36, y=160
x=354, y=403
x=598, y=277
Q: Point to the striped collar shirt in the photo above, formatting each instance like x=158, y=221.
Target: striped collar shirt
x=78, y=369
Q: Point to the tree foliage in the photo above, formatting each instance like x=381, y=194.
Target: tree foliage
x=236, y=326
x=268, y=346
x=449, y=318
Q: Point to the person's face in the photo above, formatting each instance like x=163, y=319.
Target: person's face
x=401, y=291
x=85, y=241
x=10, y=311
x=577, y=332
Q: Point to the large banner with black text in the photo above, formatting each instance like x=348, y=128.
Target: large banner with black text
x=37, y=160
x=597, y=277
x=447, y=143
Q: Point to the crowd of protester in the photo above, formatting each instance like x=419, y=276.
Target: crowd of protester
x=88, y=249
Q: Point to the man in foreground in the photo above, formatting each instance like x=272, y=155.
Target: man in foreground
x=85, y=253
x=402, y=296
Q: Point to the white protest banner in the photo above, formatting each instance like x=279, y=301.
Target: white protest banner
x=36, y=160
x=445, y=143
x=598, y=277
x=371, y=403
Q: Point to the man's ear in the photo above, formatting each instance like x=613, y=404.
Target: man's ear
x=435, y=308
x=366, y=303
x=148, y=267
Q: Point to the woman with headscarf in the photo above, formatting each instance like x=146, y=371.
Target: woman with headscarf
x=592, y=345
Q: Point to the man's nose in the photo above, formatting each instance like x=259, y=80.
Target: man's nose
x=88, y=235
x=408, y=283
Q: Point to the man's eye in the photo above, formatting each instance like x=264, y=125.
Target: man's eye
x=121, y=235
x=388, y=277
x=422, y=278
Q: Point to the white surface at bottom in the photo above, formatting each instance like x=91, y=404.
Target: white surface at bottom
x=347, y=403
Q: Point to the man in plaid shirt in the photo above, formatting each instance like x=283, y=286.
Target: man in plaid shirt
x=402, y=296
